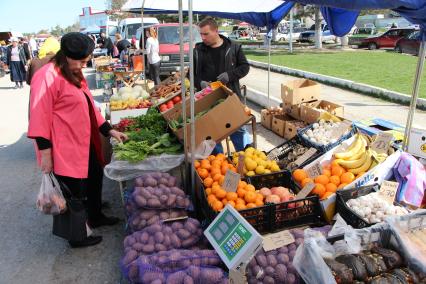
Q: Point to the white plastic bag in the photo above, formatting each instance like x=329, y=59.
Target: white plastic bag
x=50, y=199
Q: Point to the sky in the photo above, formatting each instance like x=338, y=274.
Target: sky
x=30, y=16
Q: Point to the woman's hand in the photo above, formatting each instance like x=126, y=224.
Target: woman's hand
x=119, y=136
x=46, y=161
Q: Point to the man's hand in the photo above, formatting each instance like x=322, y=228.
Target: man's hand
x=204, y=84
x=224, y=78
x=46, y=161
x=119, y=136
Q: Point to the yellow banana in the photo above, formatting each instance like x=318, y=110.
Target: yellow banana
x=355, y=163
x=354, y=148
x=365, y=166
x=373, y=164
x=360, y=153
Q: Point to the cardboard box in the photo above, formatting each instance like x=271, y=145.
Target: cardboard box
x=294, y=110
x=291, y=128
x=267, y=116
x=310, y=113
x=417, y=143
x=300, y=91
x=279, y=123
x=219, y=122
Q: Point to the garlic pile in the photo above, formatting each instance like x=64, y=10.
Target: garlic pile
x=373, y=209
x=322, y=132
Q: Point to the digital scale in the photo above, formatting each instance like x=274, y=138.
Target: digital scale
x=235, y=241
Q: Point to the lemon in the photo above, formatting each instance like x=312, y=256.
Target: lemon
x=267, y=171
x=275, y=168
x=250, y=164
x=250, y=173
x=263, y=156
x=260, y=170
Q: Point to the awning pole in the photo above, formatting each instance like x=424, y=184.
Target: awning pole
x=192, y=97
x=291, y=31
x=415, y=94
x=183, y=88
x=269, y=64
x=143, y=47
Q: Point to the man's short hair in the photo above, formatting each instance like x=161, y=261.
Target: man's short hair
x=209, y=21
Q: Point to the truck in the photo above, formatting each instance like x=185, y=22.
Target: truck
x=168, y=38
x=128, y=27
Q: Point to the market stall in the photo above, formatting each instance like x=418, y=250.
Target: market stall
x=243, y=216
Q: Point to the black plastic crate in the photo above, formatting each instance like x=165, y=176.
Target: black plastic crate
x=324, y=148
x=305, y=211
x=347, y=214
x=282, y=151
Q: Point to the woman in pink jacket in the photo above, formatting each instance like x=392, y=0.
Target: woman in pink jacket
x=65, y=125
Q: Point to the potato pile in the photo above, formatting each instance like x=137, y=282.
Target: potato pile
x=143, y=218
x=181, y=266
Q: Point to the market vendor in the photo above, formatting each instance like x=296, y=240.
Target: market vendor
x=65, y=125
x=218, y=58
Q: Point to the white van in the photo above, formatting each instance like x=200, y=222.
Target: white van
x=129, y=26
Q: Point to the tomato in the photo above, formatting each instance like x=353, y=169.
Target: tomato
x=176, y=99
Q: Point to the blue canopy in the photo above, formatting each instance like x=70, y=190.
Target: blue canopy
x=259, y=13
x=341, y=15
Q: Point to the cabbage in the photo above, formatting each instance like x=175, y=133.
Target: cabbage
x=144, y=94
x=124, y=90
x=115, y=97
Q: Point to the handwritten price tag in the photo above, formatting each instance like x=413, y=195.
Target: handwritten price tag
x=231, y=181
x=303, y=158
x=388, y=191
x=382, y=142
x=277, y=240
x=314, y=170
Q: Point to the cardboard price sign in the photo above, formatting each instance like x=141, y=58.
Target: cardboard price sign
x=314, y=170
x=231, y=181
x=382, y=142
x=277, y=240
x=303, y=158
x=305, y=191
x=388, y=191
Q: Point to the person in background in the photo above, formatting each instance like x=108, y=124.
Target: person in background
x=121, y=43
x=48, y=49
x=17, y=62
x=152, y=53
x=24, y=43
x=218, y=58
x=106, y=42
x=65, y=124
x=33, y=46
x=124, y=55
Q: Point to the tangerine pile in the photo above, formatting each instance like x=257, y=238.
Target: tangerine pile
x=333, y=178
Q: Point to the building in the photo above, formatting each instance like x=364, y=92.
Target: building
x=90, y=19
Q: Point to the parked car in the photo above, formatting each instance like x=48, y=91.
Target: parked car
x=387, y=39
x=309, y=35
x=286, y=36
x=361, y=33
x=409, y=44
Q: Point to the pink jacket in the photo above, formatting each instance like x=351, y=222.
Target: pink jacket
x=59, y=113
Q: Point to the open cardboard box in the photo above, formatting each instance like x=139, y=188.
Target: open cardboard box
x=279, y=123
x=311, y=113
x=299, y=91
x=219, y=122
x=294, y=110
x=291, y=128
x=382, y=171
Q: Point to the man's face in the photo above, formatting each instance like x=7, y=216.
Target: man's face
x=76, y=65
x=103, y=35
x=209, y=35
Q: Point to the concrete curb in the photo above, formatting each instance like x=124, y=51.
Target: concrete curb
x=342, y=83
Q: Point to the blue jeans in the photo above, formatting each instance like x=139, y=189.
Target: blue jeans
x=239, y=138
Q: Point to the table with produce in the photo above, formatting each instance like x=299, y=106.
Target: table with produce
x=333, y=202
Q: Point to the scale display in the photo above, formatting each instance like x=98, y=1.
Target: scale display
x=232, y=236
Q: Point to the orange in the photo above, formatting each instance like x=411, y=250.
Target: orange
x=224, y=201
x=208, y=182
x=220, y=193
x=217, y=205
x=215, y=188
x=242, y=184
x=342, y=185
x=259, y=202
x=250, y=197
x=331, y=187
x=319, y=189
x=211, y=198
x=232, y=169
x=334, y=163
x=347, y=177
x=335, y=180
x=203, y=173
x=259, y=196
x=231, y=196
x=299, y=175
x=221, y=156
x=322, y=179
x=232, y=203
x=208, y=191
x=221, y=180
x=337, y=170
x=240, y=206
x=216, y=177
x=211, y=157
x=216, y=163
x=326, y=172
x=205, y=164
x=327, y=194
x=251, y=205
x=224, y=168
x=215, y=171
x=215, y=183
x=250, y=187
x=197, y=164
x=241, y=192
x=305, y=181
x=240, y=200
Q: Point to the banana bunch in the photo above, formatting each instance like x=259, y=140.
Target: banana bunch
x=359, y=157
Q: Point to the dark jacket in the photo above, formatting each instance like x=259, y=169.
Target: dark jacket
x=22, y=57
x=105, y=43
x=36, y=64
x=235, y=63
x=27, y=51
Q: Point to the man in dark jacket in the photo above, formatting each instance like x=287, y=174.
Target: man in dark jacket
x=105, y=42
x=219, y=59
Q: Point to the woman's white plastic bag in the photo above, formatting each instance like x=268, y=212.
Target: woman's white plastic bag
x=50, y=199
